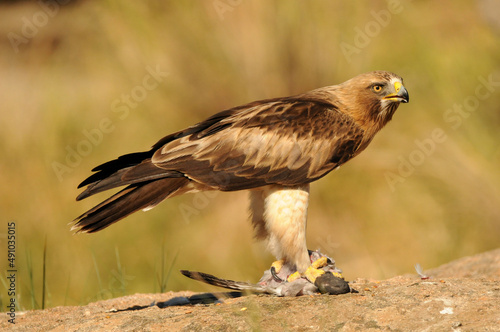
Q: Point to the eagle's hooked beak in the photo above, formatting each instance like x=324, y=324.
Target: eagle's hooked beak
x=401, y=95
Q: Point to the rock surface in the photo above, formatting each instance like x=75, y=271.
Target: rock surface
x=463, y=295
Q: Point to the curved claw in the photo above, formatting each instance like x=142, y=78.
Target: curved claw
x=275, y=276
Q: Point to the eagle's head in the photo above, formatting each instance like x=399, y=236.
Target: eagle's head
x=371, y=98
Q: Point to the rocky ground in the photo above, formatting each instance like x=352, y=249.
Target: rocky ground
x=463, y=295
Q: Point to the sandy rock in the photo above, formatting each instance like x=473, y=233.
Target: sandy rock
x=463, y=295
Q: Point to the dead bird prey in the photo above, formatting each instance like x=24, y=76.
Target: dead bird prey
x=272, y=283
x=274, y=148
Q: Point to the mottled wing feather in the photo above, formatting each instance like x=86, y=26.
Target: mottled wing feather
x=288, y=142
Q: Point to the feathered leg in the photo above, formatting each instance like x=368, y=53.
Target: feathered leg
x=285, y=217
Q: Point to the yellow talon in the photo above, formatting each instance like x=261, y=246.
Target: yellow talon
x=294, y=276
x=320, y=262
x=312, y=273
x=278, y=265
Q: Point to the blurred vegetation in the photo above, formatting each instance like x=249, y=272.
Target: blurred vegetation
x=60, y=79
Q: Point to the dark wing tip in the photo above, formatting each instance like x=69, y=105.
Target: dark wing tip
x=83, y=195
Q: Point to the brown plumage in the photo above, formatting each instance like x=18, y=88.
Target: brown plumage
x=273, y=147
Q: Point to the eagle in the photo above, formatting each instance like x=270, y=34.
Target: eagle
x=274, y=148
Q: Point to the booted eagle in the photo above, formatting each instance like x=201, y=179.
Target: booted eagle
x=273, y=148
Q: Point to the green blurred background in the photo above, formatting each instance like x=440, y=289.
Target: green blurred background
x=74, y=81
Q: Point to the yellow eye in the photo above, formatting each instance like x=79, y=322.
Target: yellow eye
x=377, y=88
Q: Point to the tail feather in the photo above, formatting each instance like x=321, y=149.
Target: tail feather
x=143, y=172
x=109, y=168
x=112, y=181
x=133, y=198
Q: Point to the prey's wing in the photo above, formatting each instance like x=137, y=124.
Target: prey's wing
x=226, y=283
